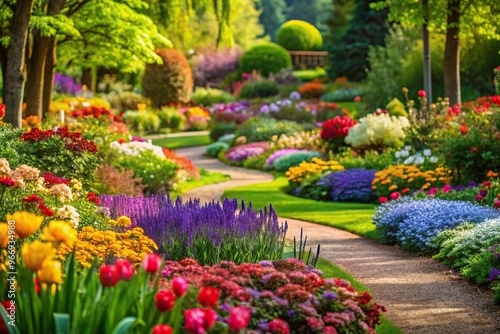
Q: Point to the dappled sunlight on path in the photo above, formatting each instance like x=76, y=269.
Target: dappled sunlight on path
x=422, y=295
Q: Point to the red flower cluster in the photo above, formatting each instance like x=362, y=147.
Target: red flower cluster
x=2, y=110
x=73, y=140
x=46, y=211
x=110, y=275
x=92, y=111
x=337, y=127
x=36, y=134
x=50, y=180
x=91, y=197
x=463, y=129
x=183, y=162
x=7, y=181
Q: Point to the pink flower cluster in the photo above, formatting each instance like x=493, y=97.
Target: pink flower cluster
x=242, y=152
x=279, y=296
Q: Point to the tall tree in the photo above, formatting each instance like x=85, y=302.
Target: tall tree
x=349, y=53
x=15, y=72
x=339, y=18
x=313, y=11
x=272, y=15
x=455, y=18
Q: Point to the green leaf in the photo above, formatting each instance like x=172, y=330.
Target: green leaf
x=11, y=329
x=62, y=322
x=124, y=325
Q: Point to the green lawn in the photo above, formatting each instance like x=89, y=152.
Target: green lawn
x=351, y=106
x=331, y=270
x=206, y=178
x=186, y=141
x=352, y=217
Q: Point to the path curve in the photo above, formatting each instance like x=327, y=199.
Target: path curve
x=422, y=295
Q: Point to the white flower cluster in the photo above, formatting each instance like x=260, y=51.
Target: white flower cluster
x=133, y=148
x=419, y=158
x=69, y=212
x=378, y=130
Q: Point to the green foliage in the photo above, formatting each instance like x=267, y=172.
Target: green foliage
x=265, y=58
x=123, y=101
x=396, y=108
x=310, y=75
x=209, y=96
x=271, y=15
x=142, y=121
x=370, y=160
x=283, y=163
x=257, y=162
x=348, y=54
x=258, y=88
x=171, y=82
x=258, y=130
x=310, y=189
x=479, y=267
x=214, y=149
x=171, y=119
x=220, y=129
x=157, y=173
x=298, y=35
x=313, y=11
x=342, y=95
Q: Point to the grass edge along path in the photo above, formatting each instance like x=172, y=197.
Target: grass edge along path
x=206, y=178
x=351, y=217
x=182, y=141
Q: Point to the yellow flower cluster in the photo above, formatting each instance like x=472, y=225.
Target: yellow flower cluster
x=94, y=244
x=197, y=111
x=307, y=169
x=406, y=178
x=68, y=103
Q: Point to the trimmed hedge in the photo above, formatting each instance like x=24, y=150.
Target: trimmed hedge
x=296, y=35
x=265, y=58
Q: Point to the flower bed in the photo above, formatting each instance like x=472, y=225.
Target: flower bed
x=242, y=152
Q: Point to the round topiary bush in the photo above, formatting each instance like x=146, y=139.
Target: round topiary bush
x=170, y=82
x=296, y=35
x=265, y=58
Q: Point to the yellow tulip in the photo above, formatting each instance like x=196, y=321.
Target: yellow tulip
x=26, y=223
x=50, y=272
x=60, y=231
x=35, y=253
x=4, y=235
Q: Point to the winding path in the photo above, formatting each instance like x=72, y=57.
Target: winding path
x=422, y=295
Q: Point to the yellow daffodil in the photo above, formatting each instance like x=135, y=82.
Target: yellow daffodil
x=35, y=253
x=26, y=223
x=50, y=272
x=60, y=231
x=4, y=235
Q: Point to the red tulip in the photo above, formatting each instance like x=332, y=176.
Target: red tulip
x=125, y=269
x=152, y=263
x=179, y=286
x=162, y=329
x=239, y=317
x=382, y=199
x=109, y=276
x=209, y=318
x=422, y=93
x=208, y=296
x=164, y=300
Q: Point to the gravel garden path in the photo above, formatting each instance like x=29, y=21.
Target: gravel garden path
x=422, y=295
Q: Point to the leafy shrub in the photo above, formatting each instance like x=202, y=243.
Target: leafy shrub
x=279, y=153
x=342, y=95
x=143, y=121
x=257, y=162
x=265, y=58
x=370, y=160
x=414, y=223
x=256, y=130
x=214, y=149
x=170, y=118
x=480, y=266
x=258, y=88
x=157, y=173
x=318, y=73
x=458, y=246
x=228, y=138
x=378, y=132
x=283, y=163
x=296, y=35
x=396, y=108
x=242, y=152
x=210, y=66
x=286, y=77
x=112, y=181
x=209, y=96
x=171, y=82
x=221, y=128
x=311, y=90
x=124, y=101
x=351, y=185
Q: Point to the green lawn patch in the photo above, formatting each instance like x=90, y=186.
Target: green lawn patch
x=352, y=217
x=310, y=75
x=185, y=141
x=331, y=270
x=351, y=106
x=206, y=178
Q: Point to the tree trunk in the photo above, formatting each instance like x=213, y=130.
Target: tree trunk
x=87, y=78
x=36, y=70
x=15, y=74
x=48, y=80
x=452, y=54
